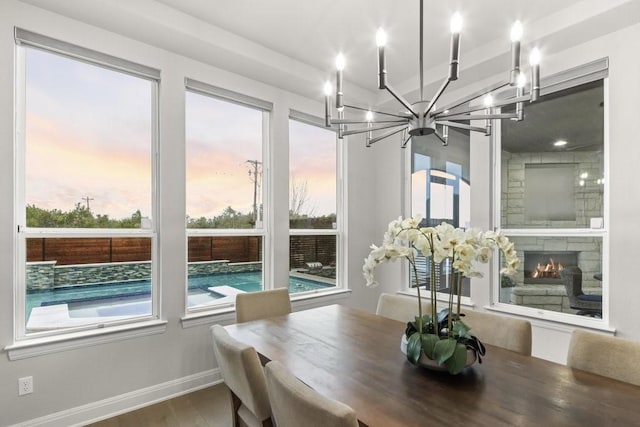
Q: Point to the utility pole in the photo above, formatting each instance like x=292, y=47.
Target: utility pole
x=254, y=176
x=87, y=199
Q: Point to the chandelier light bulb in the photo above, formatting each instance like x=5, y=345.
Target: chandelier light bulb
x=381, y=37
x=560, y=143
x=522, y=80
x=488, y=100
x=456, y=23
x=328, y=89
x=340, y=62
x=369, y=116
x=534, y=57
x=516, y=31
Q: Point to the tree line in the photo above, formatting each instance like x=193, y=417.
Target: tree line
x=82, y=217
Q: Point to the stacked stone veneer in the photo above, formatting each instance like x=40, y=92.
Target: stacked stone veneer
x=46, y=275
x=588, y=198
x=588, y=204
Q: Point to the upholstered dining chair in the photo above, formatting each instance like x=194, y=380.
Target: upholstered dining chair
x=243, y=374
x=587, y=305
x=605, y=355
x=502, y=331
x=400, y=307
x=263, y=304
x=295, y=404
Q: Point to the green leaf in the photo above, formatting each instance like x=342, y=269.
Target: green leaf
x=460, y=329
x=442, y=315
x=455, y=364
x=443, y=350
x=428, y=343
x=414, y=348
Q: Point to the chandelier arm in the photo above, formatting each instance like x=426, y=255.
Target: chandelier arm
x=471, y=97
x=436, y=96
x=483, y=116
x=401, y=100
x=375, y=111
x=369, y=129
x=462, y=126
x=363, y=122
x=441, y=138
x=406, y=137
x=385, y=135
x=508, y=101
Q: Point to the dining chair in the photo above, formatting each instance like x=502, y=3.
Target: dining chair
x=263, y=304
x=604, y=355
x=501, y=331
x=587, y=305
x=243, y=374
x=400, y=307
x=295, y=404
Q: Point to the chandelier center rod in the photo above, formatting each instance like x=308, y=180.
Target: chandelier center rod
x=421, y=51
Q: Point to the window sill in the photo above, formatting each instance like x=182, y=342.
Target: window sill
x=552, y=319
x=227, y=315
x=53, y=344
x=441, y=298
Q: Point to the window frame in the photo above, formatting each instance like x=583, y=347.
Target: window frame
x=29, y=40
x=582, y=74
x=266, y=108
x=341, y=205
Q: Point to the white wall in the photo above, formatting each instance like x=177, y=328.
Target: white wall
x=76, y=385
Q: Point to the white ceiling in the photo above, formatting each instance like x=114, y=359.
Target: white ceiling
x=292, y=43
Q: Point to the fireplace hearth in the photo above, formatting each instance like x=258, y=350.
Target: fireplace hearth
x=543, y=267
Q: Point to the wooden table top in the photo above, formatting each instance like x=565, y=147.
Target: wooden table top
x=354, y=357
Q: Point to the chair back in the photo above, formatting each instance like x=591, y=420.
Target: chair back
x=572, y=279
x=295, y=404
x=604, y=355
x=242, y=372
x=263, y=304
x=501, y=331
x=402, y=308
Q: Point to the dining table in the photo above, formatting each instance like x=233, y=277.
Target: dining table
x=354, y=356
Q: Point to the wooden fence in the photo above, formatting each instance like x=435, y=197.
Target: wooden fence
x=67, y=251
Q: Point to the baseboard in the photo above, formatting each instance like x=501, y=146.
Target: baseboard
x=126, y=402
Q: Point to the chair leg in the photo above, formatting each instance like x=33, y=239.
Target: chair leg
x=235, y=405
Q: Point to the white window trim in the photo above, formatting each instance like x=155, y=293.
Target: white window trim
x=340, y=231
x=26, y=39
x=592, y=71
x=266, y=107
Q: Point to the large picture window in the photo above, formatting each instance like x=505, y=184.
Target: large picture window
x=226, y=136
x=85, y=205
x=552, y=197
x=313, y=206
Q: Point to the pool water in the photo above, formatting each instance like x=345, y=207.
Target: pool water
x=82, y=298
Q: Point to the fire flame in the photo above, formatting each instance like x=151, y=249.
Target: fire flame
x=548, y=270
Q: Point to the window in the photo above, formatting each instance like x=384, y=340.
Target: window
x=440, y=192
x=85, y=206
x=552, y=191
x=226, y=136
x=314, y=241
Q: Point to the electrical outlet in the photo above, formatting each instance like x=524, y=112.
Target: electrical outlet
x=25, y=386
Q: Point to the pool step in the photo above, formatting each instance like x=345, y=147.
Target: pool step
x=225, y=291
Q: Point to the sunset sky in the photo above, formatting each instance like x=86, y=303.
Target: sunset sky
x=88, y=134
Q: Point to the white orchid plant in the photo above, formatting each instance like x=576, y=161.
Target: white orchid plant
x=441, y=336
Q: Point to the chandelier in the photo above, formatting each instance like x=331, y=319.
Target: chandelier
x=422, y=117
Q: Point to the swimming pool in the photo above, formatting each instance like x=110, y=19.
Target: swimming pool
x=95, y=298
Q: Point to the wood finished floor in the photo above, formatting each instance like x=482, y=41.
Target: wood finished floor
x=208, y=407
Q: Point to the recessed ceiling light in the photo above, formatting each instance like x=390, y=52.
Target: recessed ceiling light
x=560, y=143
